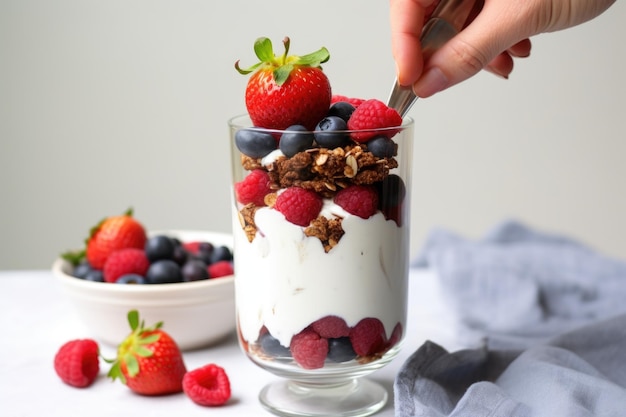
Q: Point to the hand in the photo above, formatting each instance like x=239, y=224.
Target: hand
x=496, y=32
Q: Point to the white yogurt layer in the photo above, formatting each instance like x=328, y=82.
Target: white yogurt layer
x=285, y=280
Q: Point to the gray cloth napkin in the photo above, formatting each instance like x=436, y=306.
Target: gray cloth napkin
x=578, y=374
x=517, y=286
x=550, y=316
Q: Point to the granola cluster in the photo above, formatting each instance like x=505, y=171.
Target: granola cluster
x=325, y=171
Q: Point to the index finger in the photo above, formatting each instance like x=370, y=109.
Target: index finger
x=407, y=20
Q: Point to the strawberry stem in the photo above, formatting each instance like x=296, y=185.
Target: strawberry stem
x=282, y=66
x=133, y=346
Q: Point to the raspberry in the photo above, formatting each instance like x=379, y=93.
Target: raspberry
x=76, y=362
x=356, y=102
x=331, y=327
x=308, y=349
x=360, y=200
x=396, y=335
x=373, y=114
x=299, y=206
x=192, y=247
x=207, y=386
x=253, y=188
x=368, y=337
x=125, y=261
x=220, y=269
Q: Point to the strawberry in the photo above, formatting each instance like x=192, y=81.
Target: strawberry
x=77, y=362
x=286, y=90
x=148, y=361
x=111, y=234
x=207, y=386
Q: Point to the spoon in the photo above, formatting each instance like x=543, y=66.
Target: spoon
x=446, y=21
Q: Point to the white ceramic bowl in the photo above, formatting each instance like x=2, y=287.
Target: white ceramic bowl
x=196, y=314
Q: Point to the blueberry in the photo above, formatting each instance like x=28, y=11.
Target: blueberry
x=159, y=247
x=180, y=255
x=392, y=191
x=254, y=142
x=194, y=270
x=272, y=347
x=205, y=252
x=221, y=253
x=294, y=139
x=81, y=270
x=164, y=271
x=131, y=279
x=330, y=132
x=340, y=350
x=94, y=275
x=341, y=109
x=382, y=147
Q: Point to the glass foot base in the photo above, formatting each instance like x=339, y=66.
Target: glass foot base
x=357, y=397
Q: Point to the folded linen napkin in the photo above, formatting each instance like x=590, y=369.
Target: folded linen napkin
x=518, y=286
x=550, y=315
x=579, y=374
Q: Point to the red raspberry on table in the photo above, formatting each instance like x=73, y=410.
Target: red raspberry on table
x=368, y=337
x=77, y=362
x=299, y=206
x=220, y=269
x=356, y=102
x=373, y=114
x=331, y=327
x=309, y=349
x=125, y=261
x=207, y=386
x=253, y=188
x=360, y=200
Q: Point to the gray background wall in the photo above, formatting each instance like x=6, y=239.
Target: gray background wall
x=110, y=104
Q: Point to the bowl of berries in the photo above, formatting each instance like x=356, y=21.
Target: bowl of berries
x=181, y=277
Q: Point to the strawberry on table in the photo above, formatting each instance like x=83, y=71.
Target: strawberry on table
x=286, y=90
x=149, y=361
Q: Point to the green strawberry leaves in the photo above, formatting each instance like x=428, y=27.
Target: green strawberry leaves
x=75, y=257
x=282, y=66
x=133, y=347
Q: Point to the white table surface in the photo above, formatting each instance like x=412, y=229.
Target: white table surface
x=36, y=320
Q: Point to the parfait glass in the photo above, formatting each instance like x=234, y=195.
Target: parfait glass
x=321, y=243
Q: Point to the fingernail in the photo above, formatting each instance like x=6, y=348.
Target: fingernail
x=494, y=72
x=433, y=81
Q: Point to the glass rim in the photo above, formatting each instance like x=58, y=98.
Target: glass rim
x=233, y=122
